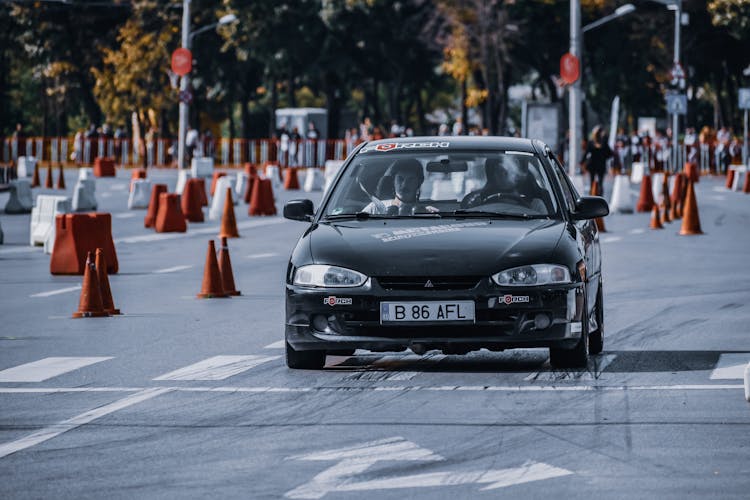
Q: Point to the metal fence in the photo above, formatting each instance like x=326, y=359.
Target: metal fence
x=163, y=152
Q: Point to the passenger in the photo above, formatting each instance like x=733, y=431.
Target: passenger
x=398, y=190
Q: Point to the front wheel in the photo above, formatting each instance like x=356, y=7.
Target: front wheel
x=596, y=338
x=578, y=356
x=305, y=360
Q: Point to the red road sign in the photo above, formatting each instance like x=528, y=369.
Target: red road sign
x=570, y=68
x=182, y=61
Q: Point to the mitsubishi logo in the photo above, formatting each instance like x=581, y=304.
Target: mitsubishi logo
x=429, y=284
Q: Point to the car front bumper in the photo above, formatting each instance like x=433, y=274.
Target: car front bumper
x=349, y=318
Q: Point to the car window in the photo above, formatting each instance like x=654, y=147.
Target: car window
x=569, y=192
x=443, y=182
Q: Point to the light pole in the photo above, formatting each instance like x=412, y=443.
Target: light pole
x=576, y=44
x=187, y=41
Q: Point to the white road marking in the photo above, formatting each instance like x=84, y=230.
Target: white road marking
x=718, y=198
x=498, y=478
x=56, y=292
x=611, y=239
x=356, y=460
x=106, y=195
x=217, y=368
x=44, y=369
x=124, y=215
x=276, y=345
x=12, y=250
x=118, y=187
x=416, y=388
x=638, y=230
x=731, y=366
x=261, y=255
x=171, y=269
x=197, y=231
x=77, y=421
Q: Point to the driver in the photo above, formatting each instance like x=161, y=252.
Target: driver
x=406, y=176
x=498, y=181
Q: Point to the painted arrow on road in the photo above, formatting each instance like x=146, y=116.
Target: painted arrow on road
x=357, y=459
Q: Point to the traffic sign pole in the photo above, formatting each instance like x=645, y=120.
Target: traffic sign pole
x=675, y=116
x=184, y=84
x=574, y=90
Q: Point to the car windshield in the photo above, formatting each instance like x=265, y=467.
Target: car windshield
x=459, y=183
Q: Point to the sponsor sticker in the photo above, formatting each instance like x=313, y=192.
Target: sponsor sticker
x=337, y=301
x=391, y=146
x=514, y=299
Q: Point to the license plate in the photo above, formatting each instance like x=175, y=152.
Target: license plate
x=398, y=312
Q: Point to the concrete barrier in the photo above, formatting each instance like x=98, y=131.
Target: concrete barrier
x=739, y=178
x=218, y=200
x=240, y=187
x=202, y=167
x=657, y=179
x=20, y=201
x=637, y=171
x=85, y=173
x=104, y=167
x=25, y=166
x=622, y=196
x=84, y=195
x=78, y=234
x=42, y=224
x=272, y=174
x=331, y=169
x=183, y=175
x=140, y=194
x=314, y=180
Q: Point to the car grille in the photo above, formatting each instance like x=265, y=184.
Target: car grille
x=421, y=282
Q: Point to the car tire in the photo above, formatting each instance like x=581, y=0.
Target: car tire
x=578, y=356
x=596, y=338
x=305, y=360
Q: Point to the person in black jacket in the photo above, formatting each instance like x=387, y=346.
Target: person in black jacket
x=597, y=154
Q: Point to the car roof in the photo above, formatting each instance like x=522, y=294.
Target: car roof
x=457, y=142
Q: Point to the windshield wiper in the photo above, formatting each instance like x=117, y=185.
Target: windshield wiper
x=485, y=213
x=358, y=215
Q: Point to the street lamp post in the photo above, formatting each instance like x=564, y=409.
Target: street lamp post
x=677, y=7
x=576, y=44
x=187, y=41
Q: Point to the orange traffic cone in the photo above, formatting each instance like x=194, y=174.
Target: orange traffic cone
x=677, y=197
x=261, y=201
x=90, y=303
x=211, y=287
x=228, y=221
x=225, y=268
x=35, y=183
x=655, y=219
x=137, y=173
x=202, y=191
x=646, y=199
x=153, y=204
x=290, y=178
x=48, y=180
x=60, y=177
x=691, y=222
x=730, y=178
x=169, y=218
x=101, y=273
x=214, y=179
x=746, y=185
x=191, y=199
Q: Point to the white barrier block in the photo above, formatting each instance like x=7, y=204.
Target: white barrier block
x=202, y=167
x=331, y=169
x=42, y=225
x=657, y=180
x=183, y=175
x=272, y=172
x=443, y=190
x=84, y=196
x=637, y=171
x=240, y=186
x=622, y=196
x=739, y=178
x=86, y=173
x=313, y=180
x=25, y=166
x=140, y=194
x=20, y=201
x=220, y=193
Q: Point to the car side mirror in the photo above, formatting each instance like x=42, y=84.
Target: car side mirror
x=301, y=210
x=590, y=207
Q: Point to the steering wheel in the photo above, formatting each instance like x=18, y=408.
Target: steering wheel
x=478, y=199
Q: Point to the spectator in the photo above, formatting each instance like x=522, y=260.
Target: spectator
x=209, y=144
x=597, y=154
x=312, y=131
x=19, y=140
x=191, y=144
x=458, y=126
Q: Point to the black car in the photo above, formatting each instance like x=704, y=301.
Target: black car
x=449, y=243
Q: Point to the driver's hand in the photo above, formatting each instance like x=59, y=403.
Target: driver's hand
x=431, y=209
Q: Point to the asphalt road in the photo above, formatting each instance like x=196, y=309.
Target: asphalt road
x=188, y=398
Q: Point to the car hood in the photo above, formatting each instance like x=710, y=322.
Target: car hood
x=444, y=247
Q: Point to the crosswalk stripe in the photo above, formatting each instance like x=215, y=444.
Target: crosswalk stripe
x=217, y=368
x=56, y=292
x=731, y=366
x=44, y=369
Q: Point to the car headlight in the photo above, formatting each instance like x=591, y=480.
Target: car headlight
x=328, y=276
x=537, y=274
